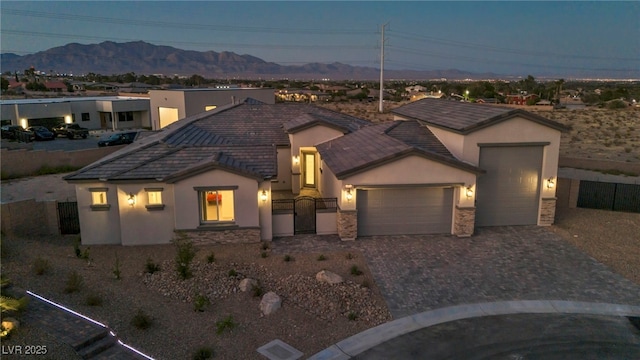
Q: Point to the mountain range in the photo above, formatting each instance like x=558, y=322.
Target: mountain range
x=141, y=57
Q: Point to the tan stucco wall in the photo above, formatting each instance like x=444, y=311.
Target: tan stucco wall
x=245, y=199
x=326, y=223
x=18, y=218
x=98, y=227
x=140, y=226
x=165, y=98
x=264, y=210
x=454, y=142
x=283, y=224
x=283, y=180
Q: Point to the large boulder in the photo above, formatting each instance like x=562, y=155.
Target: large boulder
x=328, y=277
x=270, y=303
x=247, y=284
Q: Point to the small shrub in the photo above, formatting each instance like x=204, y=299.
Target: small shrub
x=355, y=270
x=264, y=254
x=350, y=256
x=265, y=245
x=41, y=266
x=141, y=320
x=365, y=284
x=200, y=302
x=257, y=290
x=151, y=267
x=288, y=258
x=116, y=268
x=232, y=273
x=322, y=257
x=226, y=324
x=184, y=256
x=74, y=282
x=627, y=150
x=211, y=258
x=93, y=300
x=352, y=316
x=76, y=247
x=203, y=353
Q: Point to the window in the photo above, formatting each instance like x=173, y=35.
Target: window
x=99, y=199
x=209, y=107
x=125, y=116
x=86, y=117
x=154, y=199
x=216, y=205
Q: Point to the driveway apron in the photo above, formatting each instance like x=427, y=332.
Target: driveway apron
x=423, y=272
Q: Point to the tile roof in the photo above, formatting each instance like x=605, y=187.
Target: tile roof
x=240, y=137
x=465, y=117
x=378, y=144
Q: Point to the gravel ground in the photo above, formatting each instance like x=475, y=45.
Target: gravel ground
x=313, y=315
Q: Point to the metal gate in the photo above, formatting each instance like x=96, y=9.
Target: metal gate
x=304, y=215
x=68, y=220
x=609, y=196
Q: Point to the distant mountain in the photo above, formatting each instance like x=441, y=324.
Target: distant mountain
x=140, y=57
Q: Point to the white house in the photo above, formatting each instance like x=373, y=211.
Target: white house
x=237, y=173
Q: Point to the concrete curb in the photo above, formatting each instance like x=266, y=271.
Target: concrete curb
x=367, y=339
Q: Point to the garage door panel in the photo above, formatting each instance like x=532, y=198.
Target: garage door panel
x=508, y=194
x=404, y=211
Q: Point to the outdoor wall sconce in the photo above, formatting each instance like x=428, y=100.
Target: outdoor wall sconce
x=469, y=192
x=263, y=196
x=551, y=183
x=131, y=200
x=296, y=160
x=349, y=195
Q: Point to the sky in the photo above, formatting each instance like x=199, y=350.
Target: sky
x=504, y=37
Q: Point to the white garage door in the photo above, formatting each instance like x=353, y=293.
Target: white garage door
x=508, y=193
x=404, y=211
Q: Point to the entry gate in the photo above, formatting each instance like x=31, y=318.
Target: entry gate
x=68, y=220
x=304, y=215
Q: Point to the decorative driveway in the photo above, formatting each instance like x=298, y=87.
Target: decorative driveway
x=424, y=272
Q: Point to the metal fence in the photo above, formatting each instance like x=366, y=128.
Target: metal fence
x=68, y=217
x=324, y=204
x=609, y=196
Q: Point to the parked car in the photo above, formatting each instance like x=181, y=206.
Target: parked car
x=16, y=132
x=119, y=139
x=41, y=133
x=71, y=131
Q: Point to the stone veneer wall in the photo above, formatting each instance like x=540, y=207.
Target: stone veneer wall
x=229, y=236
x=547, y=212
x=464, y=221
x=347, y=224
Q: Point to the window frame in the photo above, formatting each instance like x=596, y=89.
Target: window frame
x=201, y=196
x=85, y=116
x=99, y=206
x=149, y=206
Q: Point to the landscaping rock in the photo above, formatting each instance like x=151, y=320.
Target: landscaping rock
x=270, y=303
x=328, y=277
x=247, y=284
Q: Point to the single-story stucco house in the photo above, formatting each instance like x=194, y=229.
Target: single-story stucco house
x=237, y=173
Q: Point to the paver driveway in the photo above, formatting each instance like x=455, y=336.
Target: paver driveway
x=419, y=273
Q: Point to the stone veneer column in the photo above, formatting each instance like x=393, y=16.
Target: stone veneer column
x=547, y=212
x=347, y=224
x=464, y=221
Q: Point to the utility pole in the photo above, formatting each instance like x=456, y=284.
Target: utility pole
x=381, y=108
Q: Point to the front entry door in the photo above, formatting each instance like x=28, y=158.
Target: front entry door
x=309, y=170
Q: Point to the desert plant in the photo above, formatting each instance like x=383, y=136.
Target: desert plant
x=257, y=290
x=184, y=256
x=211, y=258
x=264, y=254
x=76, y=247
x=350, y=256
x=288, y=258
x=74, y=282
x=141, y=320
x=322, y=257
x=265, y=245
x=93, y=300
x=41, y=266
x=200, y=302
x=116, y=268
x=355, y=270
x=232, y=273
x=352, y=316
x=226, y=324
x=8, y=304
x=203, y=353
x=151, y=267
x=365, y=284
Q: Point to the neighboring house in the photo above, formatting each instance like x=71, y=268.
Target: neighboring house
x=167, y=106
x=56, y=86
x=108, y=112
x=222, y=175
